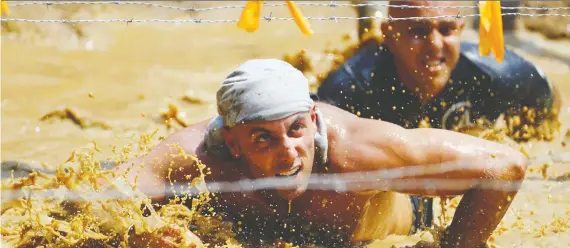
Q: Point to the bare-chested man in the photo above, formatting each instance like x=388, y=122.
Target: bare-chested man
x=269, y=126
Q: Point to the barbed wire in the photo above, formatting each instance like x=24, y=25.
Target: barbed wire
x=137, y=3
x=271, y=5
x=332, y=4
x=265, y=18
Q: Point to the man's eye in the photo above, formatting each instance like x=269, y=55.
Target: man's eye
x=296, y=130
x=296, y=127
x=262, y=138
x=445, y=31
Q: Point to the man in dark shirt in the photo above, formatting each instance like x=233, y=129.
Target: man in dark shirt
x=423, y=70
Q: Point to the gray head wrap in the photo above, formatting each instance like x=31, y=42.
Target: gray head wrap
x=262, y=90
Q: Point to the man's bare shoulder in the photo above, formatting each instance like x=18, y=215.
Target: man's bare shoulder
x=330, y=111
x=190, y=140
x=341, y=123
x=351, y=138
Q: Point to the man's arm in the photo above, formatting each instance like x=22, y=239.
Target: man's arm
x=175, y=157
x=390, y=146
x=379, y=145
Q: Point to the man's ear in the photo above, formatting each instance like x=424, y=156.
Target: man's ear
x=230, y=142
x=313, y=113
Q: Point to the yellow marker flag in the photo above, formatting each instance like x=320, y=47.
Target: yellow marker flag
x=4, y=8
x=298, y=17
x=249, y=19
x=491, y=30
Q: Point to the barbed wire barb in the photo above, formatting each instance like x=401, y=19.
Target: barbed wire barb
x=268, y=18
x=333, y=5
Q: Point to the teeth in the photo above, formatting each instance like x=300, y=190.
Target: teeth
x=290, y=173
x=434, y=64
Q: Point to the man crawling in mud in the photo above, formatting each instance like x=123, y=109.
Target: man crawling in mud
x=269, y=127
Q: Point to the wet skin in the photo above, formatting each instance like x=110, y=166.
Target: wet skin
x=355, y=145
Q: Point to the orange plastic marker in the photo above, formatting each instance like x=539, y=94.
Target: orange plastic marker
x=4, y=8
x=249, y=19
x=298, y=17
x=491, y=30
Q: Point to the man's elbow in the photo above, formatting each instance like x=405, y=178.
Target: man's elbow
x=517, y=165
x=507, y=170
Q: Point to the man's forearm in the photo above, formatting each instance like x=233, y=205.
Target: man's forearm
x=477, y=216
x=481, y=210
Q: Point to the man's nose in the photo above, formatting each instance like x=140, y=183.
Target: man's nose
x=289, y=153
x=435, y=40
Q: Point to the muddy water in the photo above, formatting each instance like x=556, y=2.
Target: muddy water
x=125, y=75
x=131, y=70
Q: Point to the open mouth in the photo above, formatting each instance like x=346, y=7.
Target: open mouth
x=290, y=173
x=435, y=65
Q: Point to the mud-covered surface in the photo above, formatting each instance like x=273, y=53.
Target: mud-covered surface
x=97, y=87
